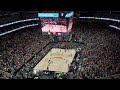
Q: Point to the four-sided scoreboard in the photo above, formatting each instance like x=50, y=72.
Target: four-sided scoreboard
x=56, y=22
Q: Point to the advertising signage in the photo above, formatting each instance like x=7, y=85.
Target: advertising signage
x=48, y=15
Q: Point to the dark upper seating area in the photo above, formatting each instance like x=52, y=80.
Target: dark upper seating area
x=104, y=14
x=7, y=17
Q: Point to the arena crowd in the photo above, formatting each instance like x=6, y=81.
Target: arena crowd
x=97, y=53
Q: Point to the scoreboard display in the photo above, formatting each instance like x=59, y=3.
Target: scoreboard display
x=59, y=22
x=70, y=24
x=48, y=15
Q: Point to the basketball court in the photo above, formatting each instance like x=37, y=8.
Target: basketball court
x=57, y=60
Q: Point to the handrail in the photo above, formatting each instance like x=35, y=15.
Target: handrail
x=17, y=29
x=100, y=18
x=108, y=19
x=114, y=27
x=97, y=18
x=18, y=22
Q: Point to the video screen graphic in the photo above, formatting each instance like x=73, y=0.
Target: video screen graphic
x=51, y=22
x=69, y=15
x=48, y=15
x=70, y=24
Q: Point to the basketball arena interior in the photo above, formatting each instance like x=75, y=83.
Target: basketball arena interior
x=59, y=44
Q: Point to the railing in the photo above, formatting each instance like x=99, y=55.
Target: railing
x=17, y=29
x=105, y=19
x=114, y=27
x=99, y=18
x=18, y=22
x=21, y=27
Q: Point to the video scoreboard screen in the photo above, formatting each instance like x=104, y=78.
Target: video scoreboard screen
x=56, y=21
x=70, y=24
x=48, y=15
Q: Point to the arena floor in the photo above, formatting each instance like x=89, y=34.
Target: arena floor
x=57, y=60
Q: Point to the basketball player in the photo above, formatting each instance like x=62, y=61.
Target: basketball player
x=68, y=65
x=66, y=61
x=47, y=68
x=61, y=28
x=52, y=26
x=65, y=50
x=49, y=23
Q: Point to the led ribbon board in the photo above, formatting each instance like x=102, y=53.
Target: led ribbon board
x=69, y=14
x=48, y=15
